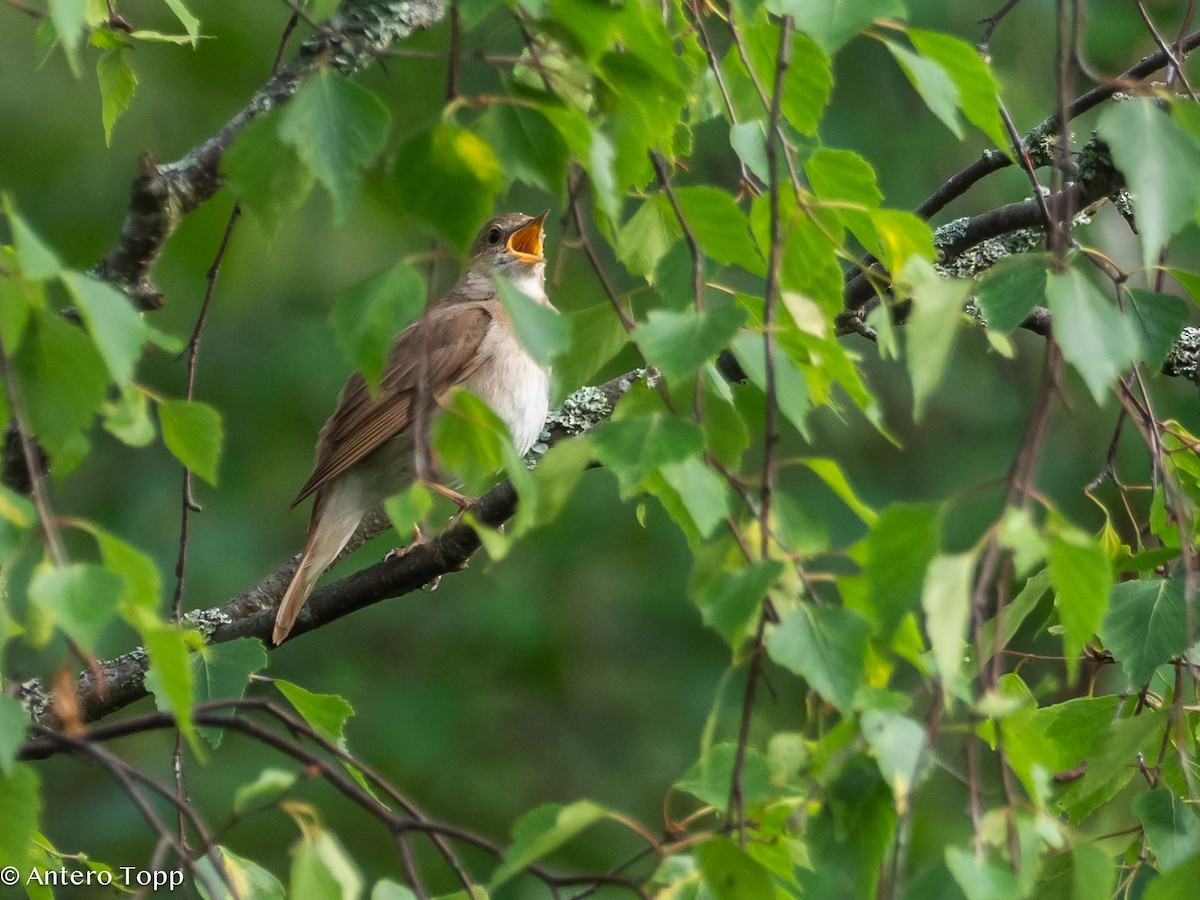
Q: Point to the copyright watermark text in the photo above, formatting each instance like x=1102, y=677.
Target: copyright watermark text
x=127, y=876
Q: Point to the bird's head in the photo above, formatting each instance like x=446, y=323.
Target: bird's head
x=511, y=245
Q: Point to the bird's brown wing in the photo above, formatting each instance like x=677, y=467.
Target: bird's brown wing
x=449, y=335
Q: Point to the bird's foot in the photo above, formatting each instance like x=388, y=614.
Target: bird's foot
x=401, y=552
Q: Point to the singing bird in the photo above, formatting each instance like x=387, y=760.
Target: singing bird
x=365, y=451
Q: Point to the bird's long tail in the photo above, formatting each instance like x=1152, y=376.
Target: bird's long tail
x=333, y=523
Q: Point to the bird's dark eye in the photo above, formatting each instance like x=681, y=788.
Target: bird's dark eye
x=494, y=235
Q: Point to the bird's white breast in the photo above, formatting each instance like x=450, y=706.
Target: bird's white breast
x=509, y=381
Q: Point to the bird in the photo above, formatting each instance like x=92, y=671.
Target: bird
x=366, y=450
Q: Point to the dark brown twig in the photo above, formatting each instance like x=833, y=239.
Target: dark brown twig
x=737, y=799
x=985, y=41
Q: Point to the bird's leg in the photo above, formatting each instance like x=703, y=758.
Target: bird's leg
x=462, y=501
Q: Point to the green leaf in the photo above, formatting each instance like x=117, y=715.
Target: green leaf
x=541, y=832
x=590, y=24
x=902, y=236
x=807, y=85
x=1151, y=150
x=137, y=570
x=193, y=433
x=63, y=381
x=386, y=889
x=255, y=882
x=720, y=227
x=36, y=259
x=946, y=601
x=157, y=37
x=541, y=329
x=336, y=127
x=729, y=602
x=1014, y=614
x=1088, y=872
x=222, y=671
x=749, y=142
x=1158, y=319
x=678, y=343
x=20, y=810
x=731, y=874
x=791, y=389
x=826, y=646
x=977, y=91
x=1171, y=828
x=697, y=493
x=117, y=83
x=1112, y=761
x=933, y=83
x=1146, y=625
x=833, y=22
x=369, y=316
x=15, y=508
x=127, y=418
x=406, y=509
x=448, y=161
x=810, y=266
x=474, y=444
x=898, y=744
x=845, y=177
x=322, y=869
x=1094, y=336
x=830, y=472
x=555, y=479
x=1010, y=290
x=189, y=22
x=634, y=447
x=527, y=145
x=1081, y=576
x=325, y=713
x=169, y=675
x=14, y=721
x=79, y=598
x=263, y=791
x=113, y=323
x=980, y=879
x=932, y=328
x=1177, y=884
x=709, y=777
x=70, y=19
x=266, y=175
x=649, y=233
x=896, y=555
x=600, y=160
x=596, y=336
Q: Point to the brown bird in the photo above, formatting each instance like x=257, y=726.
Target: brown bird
x=365, y=452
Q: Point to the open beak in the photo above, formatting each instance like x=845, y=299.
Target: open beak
x=526, y=242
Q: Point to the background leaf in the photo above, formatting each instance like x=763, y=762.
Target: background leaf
x=336, y=127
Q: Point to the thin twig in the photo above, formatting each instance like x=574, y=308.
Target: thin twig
x=28, y=9
x=1176, y=70
x=737, y=799
x=664, y=182
x=985, y=41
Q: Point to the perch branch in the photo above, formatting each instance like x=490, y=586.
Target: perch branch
x=252, y=612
